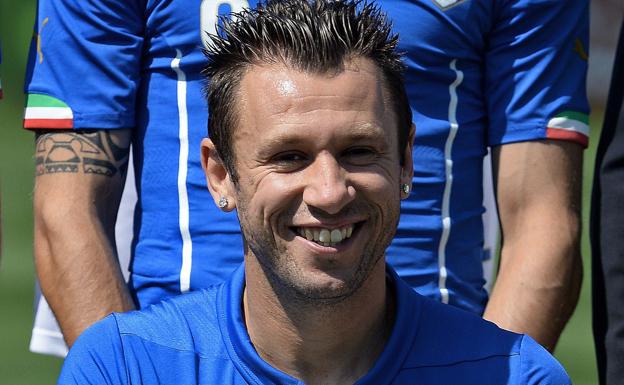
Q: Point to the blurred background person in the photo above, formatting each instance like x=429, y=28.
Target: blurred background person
x=607, y=231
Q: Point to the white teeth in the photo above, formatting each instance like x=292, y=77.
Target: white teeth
x=325, y=236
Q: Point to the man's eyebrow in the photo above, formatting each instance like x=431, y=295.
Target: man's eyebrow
x=366, y=130
x=358, y=131
x=283, y=140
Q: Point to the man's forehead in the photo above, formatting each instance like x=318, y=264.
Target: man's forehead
x=279, y=88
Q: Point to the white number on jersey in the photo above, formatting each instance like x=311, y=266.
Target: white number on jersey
x=209, y=15
x=444, y=4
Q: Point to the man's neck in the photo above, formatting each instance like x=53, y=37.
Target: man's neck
x=319, y=343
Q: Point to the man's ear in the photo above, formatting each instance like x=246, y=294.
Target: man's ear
x=218, y=179
x=407, y=170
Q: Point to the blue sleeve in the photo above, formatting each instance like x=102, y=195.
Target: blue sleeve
x=540, y=367
x=97, y=357
x=84, y=64
x=536, y=65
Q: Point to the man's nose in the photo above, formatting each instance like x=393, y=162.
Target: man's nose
x=327, y=185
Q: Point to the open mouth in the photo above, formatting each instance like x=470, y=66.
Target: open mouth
x=326, y=237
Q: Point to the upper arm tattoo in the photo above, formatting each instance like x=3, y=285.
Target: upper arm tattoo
x=100, y=152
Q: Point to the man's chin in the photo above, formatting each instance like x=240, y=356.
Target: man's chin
x=325, y=288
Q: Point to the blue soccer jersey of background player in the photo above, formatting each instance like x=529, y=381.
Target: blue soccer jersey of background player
x=480, y=73
x=200, y=338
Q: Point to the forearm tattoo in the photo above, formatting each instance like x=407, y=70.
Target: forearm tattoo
x=99, y=152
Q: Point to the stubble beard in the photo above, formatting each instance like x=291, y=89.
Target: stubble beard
x=293, y=285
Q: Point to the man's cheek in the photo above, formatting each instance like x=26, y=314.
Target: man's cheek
x=275, y=197
x=375, y=185
x=262, y=209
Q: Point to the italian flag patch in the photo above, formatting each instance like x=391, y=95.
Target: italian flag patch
x=569, y=125
x=43, y=111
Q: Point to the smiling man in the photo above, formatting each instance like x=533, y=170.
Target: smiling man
x=315, y=157
x=311, y=143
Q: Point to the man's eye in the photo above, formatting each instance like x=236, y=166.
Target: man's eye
x=289, y=160
x=288, y=157
x=359, y=155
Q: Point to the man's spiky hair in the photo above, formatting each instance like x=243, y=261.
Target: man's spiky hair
x=317, y=37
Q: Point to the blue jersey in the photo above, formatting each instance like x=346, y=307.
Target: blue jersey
x=480, y=73
x=200, y=338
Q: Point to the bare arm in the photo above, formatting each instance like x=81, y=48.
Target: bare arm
x=538, y=187
x=78, y=185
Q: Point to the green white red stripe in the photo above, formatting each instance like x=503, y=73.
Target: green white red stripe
x=569, y=125
x=43, y=111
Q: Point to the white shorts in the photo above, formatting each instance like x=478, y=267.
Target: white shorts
x=490, y=224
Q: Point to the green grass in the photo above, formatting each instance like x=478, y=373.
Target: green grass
x=17, y=364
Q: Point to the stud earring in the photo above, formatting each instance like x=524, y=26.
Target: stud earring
x=405, y=188
x=223, y=202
